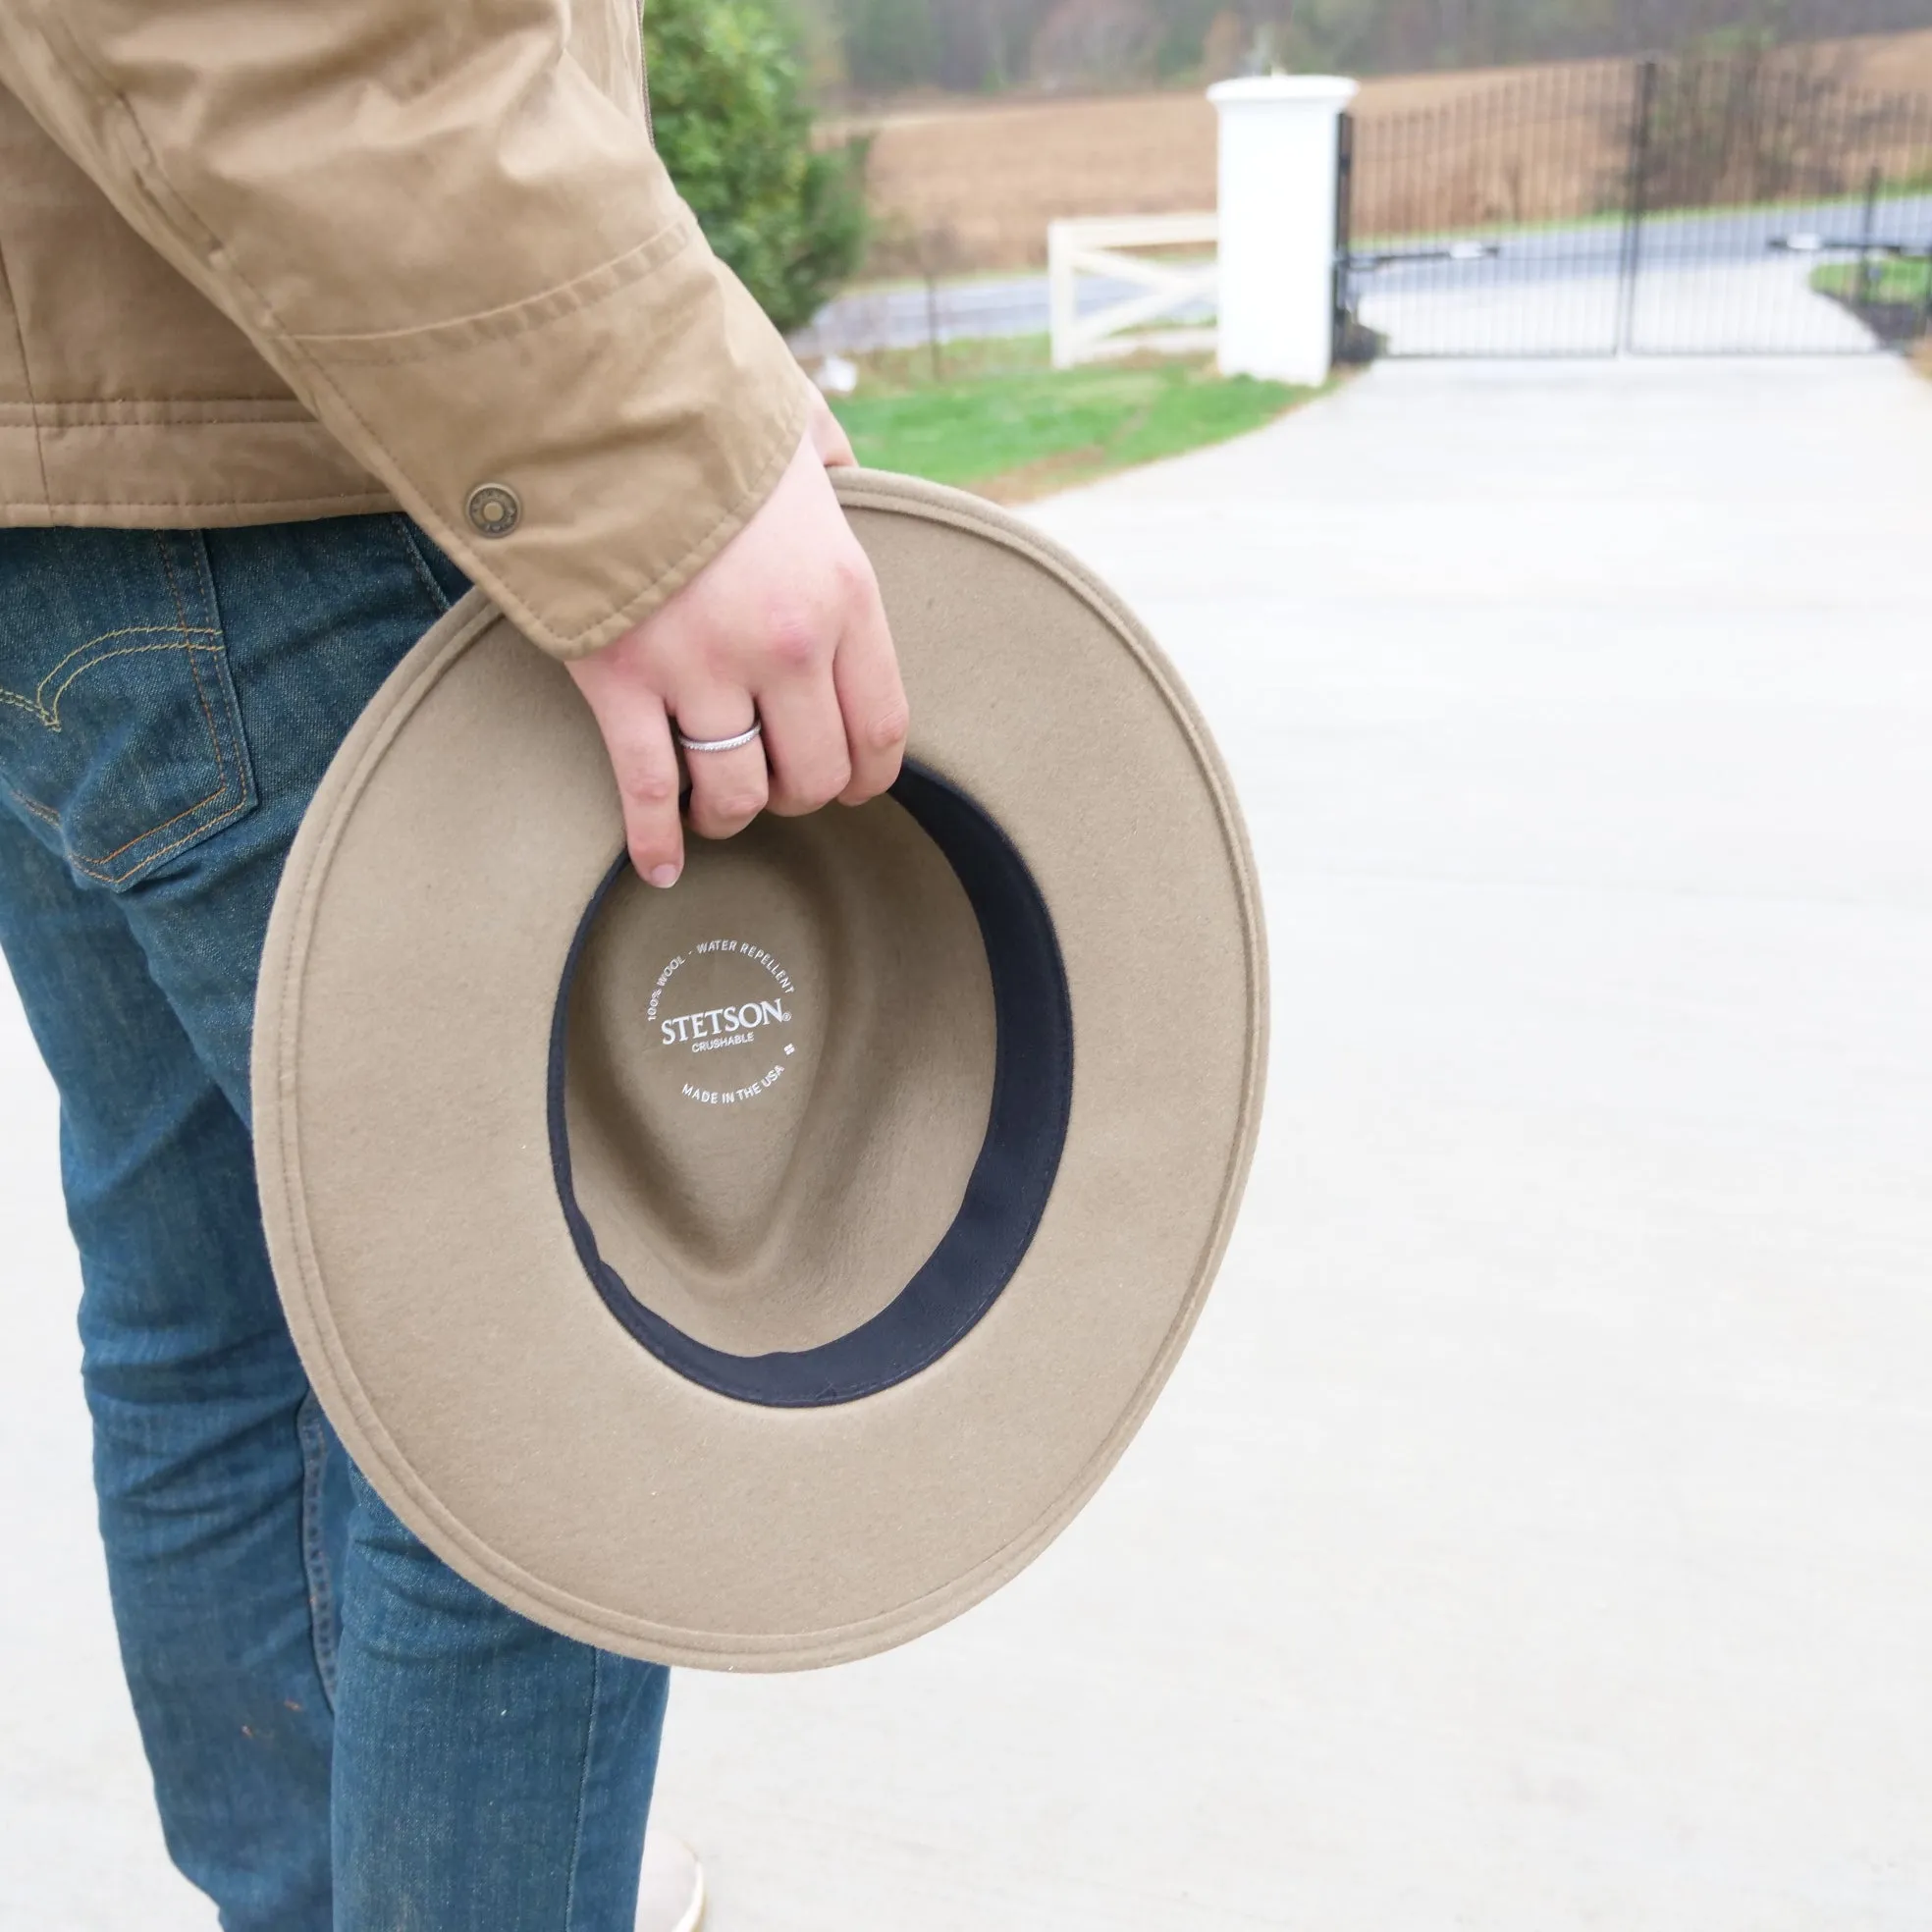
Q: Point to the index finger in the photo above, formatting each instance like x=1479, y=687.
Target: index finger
x=636, y=733
x=872, y=699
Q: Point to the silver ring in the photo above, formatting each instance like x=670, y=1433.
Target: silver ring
x=720, y=745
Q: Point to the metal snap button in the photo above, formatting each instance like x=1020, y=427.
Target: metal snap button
x=493, y=510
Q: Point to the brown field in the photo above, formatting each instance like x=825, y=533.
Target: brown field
x=980, y=182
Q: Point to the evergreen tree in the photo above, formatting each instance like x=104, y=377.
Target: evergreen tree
x=733, y=127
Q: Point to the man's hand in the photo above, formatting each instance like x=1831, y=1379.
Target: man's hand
x=783, y=625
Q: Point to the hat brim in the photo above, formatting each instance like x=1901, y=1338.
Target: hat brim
x=428, y=1269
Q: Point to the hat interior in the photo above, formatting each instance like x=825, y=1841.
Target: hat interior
x=806, y=1107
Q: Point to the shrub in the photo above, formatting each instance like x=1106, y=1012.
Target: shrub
x=734, y=129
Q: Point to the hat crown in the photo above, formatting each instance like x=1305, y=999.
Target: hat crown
x=777, y=1077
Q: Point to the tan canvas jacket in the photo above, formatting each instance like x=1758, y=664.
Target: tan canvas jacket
x=269, y=259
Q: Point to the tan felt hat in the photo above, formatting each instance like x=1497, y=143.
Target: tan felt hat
x=758, y=1273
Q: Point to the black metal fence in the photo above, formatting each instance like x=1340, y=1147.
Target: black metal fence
x=1750, y=203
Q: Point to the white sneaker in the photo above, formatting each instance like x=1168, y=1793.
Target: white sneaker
x=671, y=1896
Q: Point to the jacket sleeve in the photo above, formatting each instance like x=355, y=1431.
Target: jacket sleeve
x=442, y=223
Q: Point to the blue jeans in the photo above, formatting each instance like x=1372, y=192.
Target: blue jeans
x=343, y=1733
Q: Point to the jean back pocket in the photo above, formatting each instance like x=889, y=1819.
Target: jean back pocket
x=121, y=738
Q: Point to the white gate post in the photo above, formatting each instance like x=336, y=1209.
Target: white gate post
x=1278, y=208
x=1062, y=310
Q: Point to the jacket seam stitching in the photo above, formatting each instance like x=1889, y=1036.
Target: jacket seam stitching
x=217, y=256
x=380, y=498
x=152, y=176
x=27, y=376
x=154, y=411
x=678, y=574
x=563, y=301
x=507, y=599
x=154, y=179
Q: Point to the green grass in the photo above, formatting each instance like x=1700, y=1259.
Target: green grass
x=997, y=419
x=1888, y=280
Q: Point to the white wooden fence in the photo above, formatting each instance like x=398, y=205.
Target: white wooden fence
x=1162, y=287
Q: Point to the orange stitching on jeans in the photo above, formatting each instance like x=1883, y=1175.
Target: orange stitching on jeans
x=35, y=806
x=221, y=818
x=85, y=861
x=52, y=816
x=174, y=584
x=92, y=864
x=45, y=709
x=201, y=698
x=49, y=714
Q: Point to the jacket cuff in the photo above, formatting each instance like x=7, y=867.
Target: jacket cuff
x=584, y=453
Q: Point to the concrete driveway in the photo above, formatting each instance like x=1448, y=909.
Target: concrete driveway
x=1539, y=1533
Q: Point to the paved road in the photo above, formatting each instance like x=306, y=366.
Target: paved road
x=1711, y=281
x=1714, y=235
x=1685, y=307
x=1535, y=1538
x=1704, y=283
x=908, y=316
